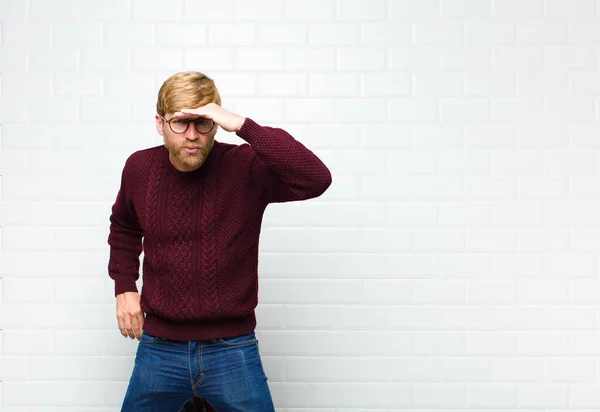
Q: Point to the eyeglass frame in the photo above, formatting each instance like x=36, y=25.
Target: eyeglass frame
x=188, y=125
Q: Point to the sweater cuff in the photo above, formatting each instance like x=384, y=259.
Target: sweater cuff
x=250, y=130
x=125, y=284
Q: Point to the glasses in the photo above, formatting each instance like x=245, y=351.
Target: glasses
x=180, y=126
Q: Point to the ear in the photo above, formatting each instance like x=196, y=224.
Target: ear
x=159, y=125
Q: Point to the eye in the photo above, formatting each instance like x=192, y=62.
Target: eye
x=179, y=121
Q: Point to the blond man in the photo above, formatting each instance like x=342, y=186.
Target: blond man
x=194, y=206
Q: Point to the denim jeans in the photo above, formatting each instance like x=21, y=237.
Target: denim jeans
x=227, y=372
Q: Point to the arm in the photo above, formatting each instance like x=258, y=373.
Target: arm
x=294, y=172
x=125, y=242
x=290, y=170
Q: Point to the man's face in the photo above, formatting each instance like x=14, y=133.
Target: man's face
x=188, y=150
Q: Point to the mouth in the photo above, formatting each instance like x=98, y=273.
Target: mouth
x=191, y=149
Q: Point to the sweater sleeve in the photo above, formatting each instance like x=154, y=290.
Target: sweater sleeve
x=125, y=239
x=293, y=171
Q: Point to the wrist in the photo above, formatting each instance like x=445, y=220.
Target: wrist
x=241, y=122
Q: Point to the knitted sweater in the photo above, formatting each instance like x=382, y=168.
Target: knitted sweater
x=199, y=230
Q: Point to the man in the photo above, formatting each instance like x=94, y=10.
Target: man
x=195, y=206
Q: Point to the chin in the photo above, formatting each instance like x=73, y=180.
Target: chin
x=193, y=160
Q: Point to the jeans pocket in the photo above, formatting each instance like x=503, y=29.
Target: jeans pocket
x=147, y=339
x=242, y=340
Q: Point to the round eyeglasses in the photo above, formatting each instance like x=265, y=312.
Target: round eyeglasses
x=180, y=126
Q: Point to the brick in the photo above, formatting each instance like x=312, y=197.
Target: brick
x=437, y=85
x=491, y=396
x=543, y=343
x=446, y=33
x=543, y=396
x=467, y=59
x=517, y=214
x=59, y=10
x=490, y=188
x=393, y=292
x=517, y=110
x=310, y=59
x=15, y=86
x=85, y=84
x=353, y=110
x=258, y=59
x=546, y=85
x=332, y=34
x=55, y=59
x=517, y=162
x=434, y=395
x=411, y=162
x=282, y=33
x=361, y=59
x=569, y=58
x=19, y=34
x=440, y=291
x=409, y=10
x=464, y=163
x=105, y=59
x=491, y=85
x=360, y=10
x=185, y=34
x=518, y=57
x=260, y=9
x=576, y=8
x=490, y=34
x=414, y=58
x=333, y=84
x=310, y=10
x=155, y=10
x=465, y=110
x=517, y=8
x=569, y=110
x=420, y=110
x=117, y=34
x=540, y=33
x=384, y=33
x=497, y=344
x=77, y=34
x=439, y=344
x=570, y=318
x=108, y=11
x=239, y=34
x=427, y=188
x=584, y=395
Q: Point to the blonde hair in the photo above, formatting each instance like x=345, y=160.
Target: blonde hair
x=186, y=89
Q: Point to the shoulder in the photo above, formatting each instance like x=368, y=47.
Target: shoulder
x=140, y=161
x=142, y=158
x=235, y=151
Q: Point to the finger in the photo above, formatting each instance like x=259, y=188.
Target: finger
x=122, y=327
x=141, y=322
x=135, y=327
x=127, y=326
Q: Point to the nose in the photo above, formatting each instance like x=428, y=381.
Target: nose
x=191, y=133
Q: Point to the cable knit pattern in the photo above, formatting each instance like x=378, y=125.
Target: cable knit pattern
x=152, y=220
x=201, y=229
x=208, y=250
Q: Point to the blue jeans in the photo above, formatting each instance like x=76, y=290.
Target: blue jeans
x=228, y=373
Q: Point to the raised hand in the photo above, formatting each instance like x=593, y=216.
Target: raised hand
x=227, y=120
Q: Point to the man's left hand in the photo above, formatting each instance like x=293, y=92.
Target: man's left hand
x=228, y=121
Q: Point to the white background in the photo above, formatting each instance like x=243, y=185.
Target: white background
x=453, y=263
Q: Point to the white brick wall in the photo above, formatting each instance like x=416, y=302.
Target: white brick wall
x=452, y=265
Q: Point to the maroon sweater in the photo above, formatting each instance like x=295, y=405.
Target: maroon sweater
x=200, y=230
